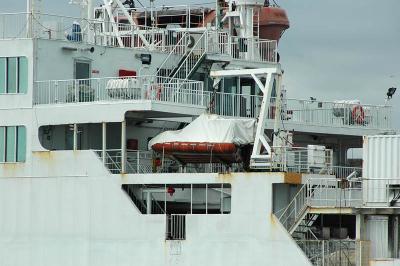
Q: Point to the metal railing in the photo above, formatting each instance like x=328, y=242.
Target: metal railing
x=233, y=104
x=333, y=114
x=192, y=59
x=251, y=49
x=326, y=192
x=90, y=31
x=302, y=159
x=144, y=162
x=321, y=192
x=119, y=89
x=304, y=112
x=190, y=16
x=334, y=252
x=175, y=227
x=344, y=171
x=295, y=210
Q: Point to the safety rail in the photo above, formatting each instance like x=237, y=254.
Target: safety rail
x=344, y=171
x=338, y=193
x=145, y=162
x=321, y=193
x=251, y=49
x=233, y=104
x=180, y=48
x=302, y=159
x=295, y=210
x=192, y=59
x=333, y=114
x=190, y=16
x=89, y=31
x=302, y=112
x=335, y=252
x=175, y=227
x=152, y=88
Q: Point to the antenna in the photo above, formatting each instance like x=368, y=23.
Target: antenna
x=33, y=6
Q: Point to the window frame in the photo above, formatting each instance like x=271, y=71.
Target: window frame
x=18, y=83
x=5, y=157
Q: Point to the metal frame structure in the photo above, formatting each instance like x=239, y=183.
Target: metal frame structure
x=260, y=159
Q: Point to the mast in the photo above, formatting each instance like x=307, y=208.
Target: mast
x=29, y=12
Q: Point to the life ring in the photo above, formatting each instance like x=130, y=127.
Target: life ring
x=358, y=114
x=154, y=90
x=191, y=41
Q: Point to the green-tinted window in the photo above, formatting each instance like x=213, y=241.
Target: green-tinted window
x=13, y=75
x=2, y=146
x=3, y=77
x=23, y=75
x=12, y=81
x=10, y=144
x=21, y=144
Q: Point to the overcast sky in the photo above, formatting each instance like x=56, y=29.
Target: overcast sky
x=342, y=49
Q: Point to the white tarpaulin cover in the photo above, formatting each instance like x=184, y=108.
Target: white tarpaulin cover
x=212, y=129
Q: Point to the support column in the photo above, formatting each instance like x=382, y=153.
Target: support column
x=148, y=202
x=75, y=138
x=123, y=147
x=360, y=236
x=103, y=141
x=395, y=236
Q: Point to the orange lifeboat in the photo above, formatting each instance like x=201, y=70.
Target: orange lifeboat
x=273, y=22
x=198, y=152
x=195, y=147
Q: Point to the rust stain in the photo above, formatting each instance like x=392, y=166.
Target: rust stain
x=228, y=177
x=292, y=178
x=42, y=154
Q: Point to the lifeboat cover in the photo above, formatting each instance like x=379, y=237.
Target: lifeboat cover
x=208, y=128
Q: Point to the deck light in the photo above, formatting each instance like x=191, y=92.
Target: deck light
x=146, y=59
x=391, y=92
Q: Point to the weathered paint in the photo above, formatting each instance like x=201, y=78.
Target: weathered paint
x=292, y=178
x=66, y=219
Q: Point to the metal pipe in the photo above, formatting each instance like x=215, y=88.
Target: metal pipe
x=75, y=137
x=104, y=141
x=123, y=147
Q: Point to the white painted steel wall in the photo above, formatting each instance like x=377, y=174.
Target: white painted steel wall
x=377, y=233
x=381, y=156
x=77, y=214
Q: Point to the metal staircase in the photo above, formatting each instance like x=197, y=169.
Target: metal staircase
x=192, y=59
x=299, y=221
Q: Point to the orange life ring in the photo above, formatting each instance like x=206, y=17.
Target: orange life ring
x=358, y=114
x=157, y=89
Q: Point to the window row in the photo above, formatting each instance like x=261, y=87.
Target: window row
x=12, y=144
x=13, y=75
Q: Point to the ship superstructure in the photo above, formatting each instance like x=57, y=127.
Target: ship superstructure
x=164, y=136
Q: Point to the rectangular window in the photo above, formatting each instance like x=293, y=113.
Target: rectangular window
x=23, y=75
x=3, y=75
x=2, y=144
x=12, y=144
x=13, y=75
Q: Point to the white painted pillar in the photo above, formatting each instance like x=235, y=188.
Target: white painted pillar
x=123, y=147
x=75, y=138
x=360, y=225
x=395, y=236
x=103, y=141
x=148, y=202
